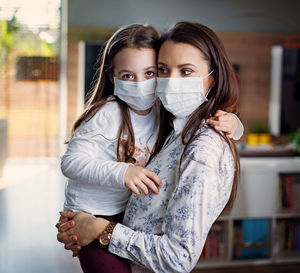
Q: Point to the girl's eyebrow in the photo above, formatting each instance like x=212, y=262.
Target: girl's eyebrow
x=150, y=67
x=124, y=70
x=160, y=63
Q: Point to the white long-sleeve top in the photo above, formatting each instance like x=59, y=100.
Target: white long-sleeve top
x=166, y=232
x=96, y=178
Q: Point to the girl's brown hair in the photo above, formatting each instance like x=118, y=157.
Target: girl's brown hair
x=223, y=95
x=132, y=36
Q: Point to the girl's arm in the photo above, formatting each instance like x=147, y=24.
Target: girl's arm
x=91, y=156
x=85, y=161
x=228, y=123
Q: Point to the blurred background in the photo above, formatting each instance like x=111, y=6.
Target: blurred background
x=48, y=53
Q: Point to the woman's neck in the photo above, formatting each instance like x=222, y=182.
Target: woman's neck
x=141, y=112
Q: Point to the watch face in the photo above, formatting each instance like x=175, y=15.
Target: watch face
x=104, y=239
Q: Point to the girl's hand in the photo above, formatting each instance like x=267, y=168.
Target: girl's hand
x=138, y=177
x=80, y=231
x=225, y=122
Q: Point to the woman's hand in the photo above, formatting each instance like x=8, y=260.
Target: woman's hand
x=225, y=122
x=80, y=231
x=138, y=177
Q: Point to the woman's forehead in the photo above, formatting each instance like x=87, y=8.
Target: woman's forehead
x=180, y=53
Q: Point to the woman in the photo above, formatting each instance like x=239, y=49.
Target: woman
x=198, y=166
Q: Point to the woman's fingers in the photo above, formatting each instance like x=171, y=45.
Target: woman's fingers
x=75, y=249
x=66, y=226
x=68, y=214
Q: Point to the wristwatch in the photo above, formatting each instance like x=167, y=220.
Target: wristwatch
x=105, y=236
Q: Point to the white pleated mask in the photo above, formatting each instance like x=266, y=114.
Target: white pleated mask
x=181, y=96
x=138, y=95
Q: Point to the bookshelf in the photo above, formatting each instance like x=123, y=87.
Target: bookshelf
x=264, y=225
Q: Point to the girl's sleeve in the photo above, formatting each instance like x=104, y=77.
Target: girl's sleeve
x=198, y=199
x=239, y=130
x=86, y=160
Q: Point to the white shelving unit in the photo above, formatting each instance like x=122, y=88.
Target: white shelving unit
x=258, y=198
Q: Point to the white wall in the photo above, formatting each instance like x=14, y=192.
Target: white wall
x=220, y=15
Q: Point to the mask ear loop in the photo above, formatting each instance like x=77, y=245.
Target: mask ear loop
x=207, y=94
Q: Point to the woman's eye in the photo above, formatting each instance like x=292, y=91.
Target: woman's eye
x=127, y=77
x=162, y=70
x=186, y=71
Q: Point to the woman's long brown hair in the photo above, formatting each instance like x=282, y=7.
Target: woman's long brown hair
x=132, y=36
x=223, y=95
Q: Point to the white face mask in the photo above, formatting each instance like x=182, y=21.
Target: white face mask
x=138, y=95
x=181, y=96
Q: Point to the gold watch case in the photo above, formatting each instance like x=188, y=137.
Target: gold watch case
x=105, y=236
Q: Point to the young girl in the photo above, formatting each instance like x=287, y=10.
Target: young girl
x=114, y=137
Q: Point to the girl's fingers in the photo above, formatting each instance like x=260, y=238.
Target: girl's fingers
x=150, y=184
x=134, y=189
x=153, y=177
x=220, y=113
x=222, y=128
x=224, y=118
x=142, y=186
x=223, y=123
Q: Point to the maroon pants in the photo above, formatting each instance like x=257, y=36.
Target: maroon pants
x=95, y=259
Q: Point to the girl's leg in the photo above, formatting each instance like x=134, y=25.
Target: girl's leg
x=95, y=259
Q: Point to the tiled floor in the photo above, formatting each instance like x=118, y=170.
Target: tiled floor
x=31, y=194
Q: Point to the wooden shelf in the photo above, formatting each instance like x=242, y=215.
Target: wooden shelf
x=258, y=198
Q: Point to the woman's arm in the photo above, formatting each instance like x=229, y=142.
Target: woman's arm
x=199, y=198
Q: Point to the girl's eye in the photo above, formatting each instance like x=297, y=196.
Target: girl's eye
x=186, y=72
x=150, y=74
x=127, y=77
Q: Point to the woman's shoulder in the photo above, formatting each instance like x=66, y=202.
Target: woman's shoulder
x=208, y=143
x=208, y=134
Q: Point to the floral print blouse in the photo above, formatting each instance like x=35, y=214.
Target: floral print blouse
x=166, y=232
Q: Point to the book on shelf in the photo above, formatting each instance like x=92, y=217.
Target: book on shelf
x=250, y=239
x=215, y=244
x=289, y=236
x=289, y=192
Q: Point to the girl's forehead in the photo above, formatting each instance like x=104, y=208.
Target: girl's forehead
x=135, y=58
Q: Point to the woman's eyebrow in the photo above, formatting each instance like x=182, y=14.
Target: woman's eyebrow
x=186, y=64
x=161, y=63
